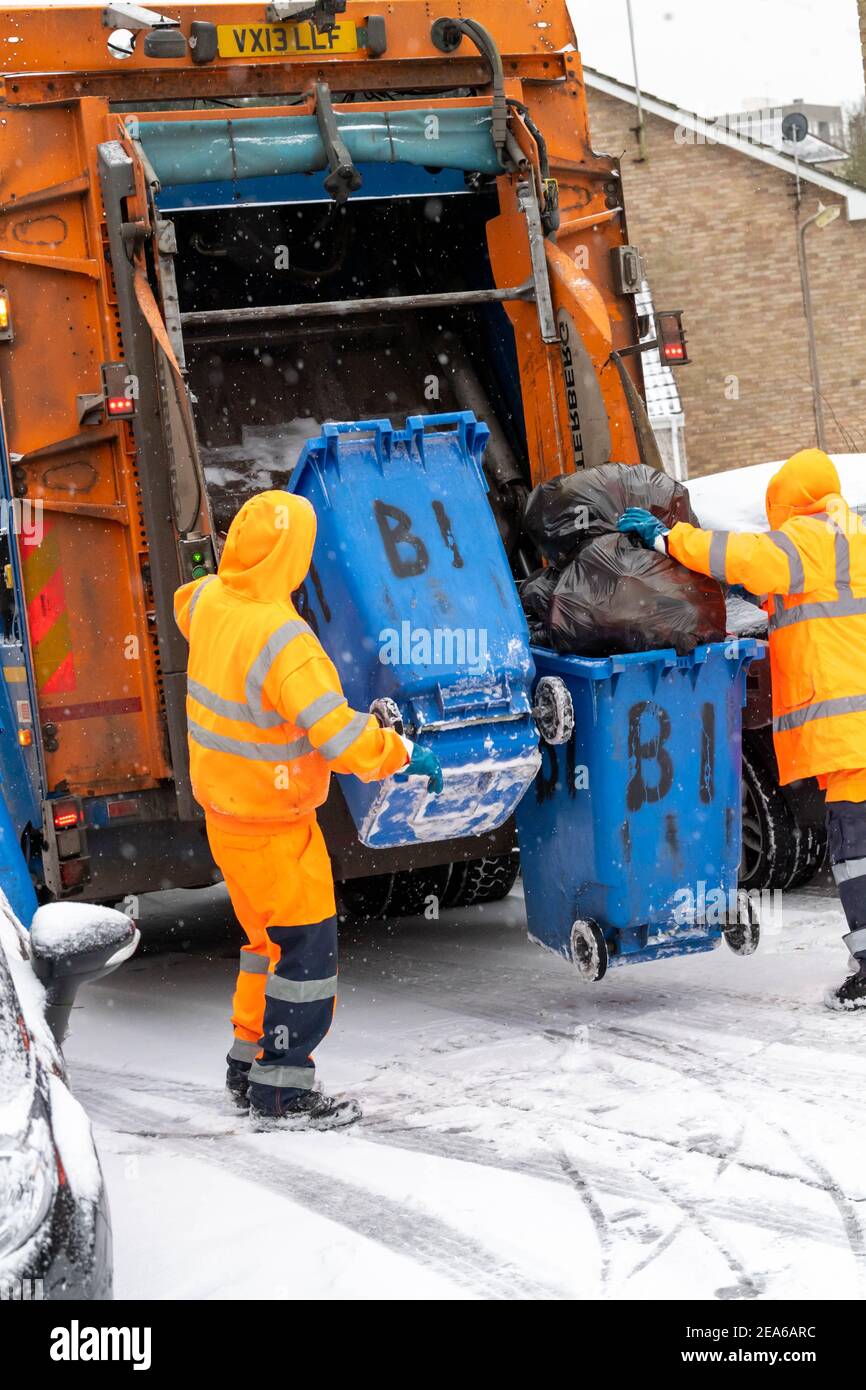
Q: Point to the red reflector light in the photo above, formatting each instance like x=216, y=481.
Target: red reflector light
x=61, y=1171
x=73, y=872
x=65, y=814
x=122, y=808
x=121, y=405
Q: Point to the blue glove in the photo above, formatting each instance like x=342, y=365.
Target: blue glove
x=423, y=763
x=638, y=522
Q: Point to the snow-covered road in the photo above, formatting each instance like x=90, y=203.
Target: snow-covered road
x=688, y=1129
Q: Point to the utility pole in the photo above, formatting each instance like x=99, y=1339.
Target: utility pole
x=640, y=128
x=821, y=218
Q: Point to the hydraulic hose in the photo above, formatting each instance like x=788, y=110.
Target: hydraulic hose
x=446, y=35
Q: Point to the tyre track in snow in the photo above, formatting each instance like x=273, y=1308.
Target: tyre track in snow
x=785, y=1221
x=426, y=1239
x=448, y=986
x=451, y=986
x=596, y=1214
x=824, y=1180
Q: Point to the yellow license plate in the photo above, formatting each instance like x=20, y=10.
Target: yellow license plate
x=285, y=40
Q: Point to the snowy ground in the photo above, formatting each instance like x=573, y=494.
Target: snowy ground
x=688, y=1129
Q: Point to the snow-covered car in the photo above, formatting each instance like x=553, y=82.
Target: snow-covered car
x=55, y=1232
x=784, y=839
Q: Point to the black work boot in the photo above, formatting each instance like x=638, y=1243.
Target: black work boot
x=311, y=1110
x=238, y=1083
x=852, y=994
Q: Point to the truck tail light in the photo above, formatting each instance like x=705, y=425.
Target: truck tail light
x=65, y=814
x=67, y=863
x=672, y=338
x=118, y=391
x=5, y=317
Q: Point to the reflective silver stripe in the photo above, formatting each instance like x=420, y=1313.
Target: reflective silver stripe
x=300, y=991
x=848, y=607
x=843, y=554
x=795, y=561
x=718, y=555
x=253, y=964
x=193, y=603
x=241, y=1051
x=255, y=752
x=856, y=942
x=252, y=712
x=229, y=709
x=300, y=1078
x=822, y=709
x=843, y=564
x=849, y=868
x=318, y=708
x=335, y=746
x=258, y=672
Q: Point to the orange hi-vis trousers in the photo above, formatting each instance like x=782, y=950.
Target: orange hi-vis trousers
x=282, y=891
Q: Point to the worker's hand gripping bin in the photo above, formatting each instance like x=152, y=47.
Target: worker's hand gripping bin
x=411, y=593
x=630, y=839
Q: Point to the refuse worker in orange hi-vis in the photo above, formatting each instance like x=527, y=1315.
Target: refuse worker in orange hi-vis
x=812, y=569
x=268, y=724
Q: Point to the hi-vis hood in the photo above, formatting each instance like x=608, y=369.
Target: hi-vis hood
x=269, y=547
x=803, y=486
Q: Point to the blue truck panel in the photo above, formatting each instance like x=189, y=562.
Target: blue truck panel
x=193, y=152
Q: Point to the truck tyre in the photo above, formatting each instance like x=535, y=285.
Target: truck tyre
x=365, y=899
x=413, y=888
x=482, y=881
x=770, y=833
x=810, y=856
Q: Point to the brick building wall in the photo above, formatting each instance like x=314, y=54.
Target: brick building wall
x=718, y=230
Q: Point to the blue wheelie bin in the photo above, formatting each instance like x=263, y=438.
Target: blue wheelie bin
x=411, y=593
x=630, y=839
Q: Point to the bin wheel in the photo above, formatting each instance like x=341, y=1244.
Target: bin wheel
x=387, y=713
x=744, y=935
x=553, y=710
x=589, y=952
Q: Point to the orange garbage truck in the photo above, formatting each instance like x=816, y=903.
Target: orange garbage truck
x=221, y=228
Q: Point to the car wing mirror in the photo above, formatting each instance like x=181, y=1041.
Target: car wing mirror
x=73, y=944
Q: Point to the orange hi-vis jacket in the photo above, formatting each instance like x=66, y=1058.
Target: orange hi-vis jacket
x=811, y=568
x=268, y=720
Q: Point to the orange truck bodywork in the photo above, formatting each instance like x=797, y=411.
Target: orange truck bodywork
x=99, y=652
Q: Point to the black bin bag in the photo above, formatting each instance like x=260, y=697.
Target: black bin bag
x=575, y=508
x=603, y=592
x=618, y=597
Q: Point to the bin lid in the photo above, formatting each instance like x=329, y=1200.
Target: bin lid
x=408, y=543
x=602, y=668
